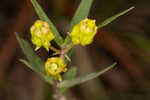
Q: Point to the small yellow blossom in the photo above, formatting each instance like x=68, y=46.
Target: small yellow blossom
x=41, y=34
x=54, y=66
x=84, y=32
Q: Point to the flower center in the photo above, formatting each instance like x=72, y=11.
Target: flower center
x=54, y=66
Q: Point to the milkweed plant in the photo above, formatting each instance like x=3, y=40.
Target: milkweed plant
x=55, y=69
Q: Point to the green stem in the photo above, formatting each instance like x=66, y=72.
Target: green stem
x=69, y=48
x=55, y=49
x=65, y=50
x=58, y=95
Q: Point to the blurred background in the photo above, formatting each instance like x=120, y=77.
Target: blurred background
x=125, y=41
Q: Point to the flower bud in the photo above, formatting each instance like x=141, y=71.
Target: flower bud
x=84, y=32
x=41, y=34
x=54, y=67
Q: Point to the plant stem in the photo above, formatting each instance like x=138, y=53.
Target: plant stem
x=70, y=47
x=54, y=49
x=58, y=95
x=64, y=51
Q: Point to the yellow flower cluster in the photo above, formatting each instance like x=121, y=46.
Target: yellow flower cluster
x=84, y=32
x=54, y=66
x=41, y=34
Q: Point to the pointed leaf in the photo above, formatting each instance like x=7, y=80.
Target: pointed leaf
x=35, y=63
x=82, y=12
x=82, y=79
x=58, y=39
x=109, y=20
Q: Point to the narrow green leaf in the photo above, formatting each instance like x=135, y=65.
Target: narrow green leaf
x=28, y=65
x=82, y=79
x=29, y=53
x=58, y=39
x=71, y=73
x=109, y=20
x=35, y=63
x=82, y=12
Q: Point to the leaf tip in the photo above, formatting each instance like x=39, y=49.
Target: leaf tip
x=131, y=8
x=110, y=67
x=17, y=36
x=113, y=65
x=21, y=60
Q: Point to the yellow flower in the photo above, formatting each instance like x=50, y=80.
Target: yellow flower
x=41, y=34
x=54, y=66
x=84, y=32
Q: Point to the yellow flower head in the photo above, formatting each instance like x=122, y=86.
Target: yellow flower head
x=84, y=32
x=41, y=34
x=54, y=67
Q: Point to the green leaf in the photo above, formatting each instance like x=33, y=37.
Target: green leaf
x=82, y=12
x=82, y=79
x=28, y=65
x=35, y=63
x=109, y=20
x=58, y=39
x=71, y=73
